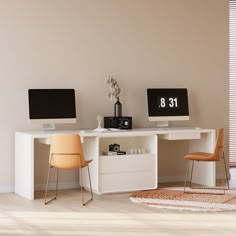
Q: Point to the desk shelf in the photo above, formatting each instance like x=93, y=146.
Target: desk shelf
x=147, y=143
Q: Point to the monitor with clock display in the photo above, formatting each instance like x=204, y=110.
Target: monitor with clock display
x=167, y=104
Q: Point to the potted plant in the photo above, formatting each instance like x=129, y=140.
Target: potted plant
x=114, y=94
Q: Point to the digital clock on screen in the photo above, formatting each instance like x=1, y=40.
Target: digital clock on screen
x=167, y=102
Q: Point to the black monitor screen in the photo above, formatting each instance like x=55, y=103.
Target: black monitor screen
x=51, y=103
x=167, y=102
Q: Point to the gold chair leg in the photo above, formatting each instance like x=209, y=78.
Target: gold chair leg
x=57, y=181
x=91, y=190
x=82, y=188
x=81, y=185
x=191, y=176
x=209, y=188
x=190, y=181
x=222, y=178
x=186, y=175
x=226, y=173
x=45, y=199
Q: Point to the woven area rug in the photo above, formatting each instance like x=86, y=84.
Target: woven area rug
x=176, y=199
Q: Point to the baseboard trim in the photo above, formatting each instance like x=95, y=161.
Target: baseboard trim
x=40, y=187
x=171, y=179
x=7, y=189
x=52, y=186
x=73, y=185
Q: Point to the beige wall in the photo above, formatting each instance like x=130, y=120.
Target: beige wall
x=142, y=43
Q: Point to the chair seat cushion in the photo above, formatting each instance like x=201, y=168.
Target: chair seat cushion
x=200, y=156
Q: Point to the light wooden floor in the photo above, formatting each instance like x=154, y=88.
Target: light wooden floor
x=107, y=215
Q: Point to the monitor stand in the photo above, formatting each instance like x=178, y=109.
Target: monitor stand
x=48, y=126
x=162, y=124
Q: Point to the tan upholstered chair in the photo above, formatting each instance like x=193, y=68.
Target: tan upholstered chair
x=206, y=157
x=66, y=152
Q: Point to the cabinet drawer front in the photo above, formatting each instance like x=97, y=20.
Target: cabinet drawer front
x=127, y=163
x=180, y=136
x=127, y=182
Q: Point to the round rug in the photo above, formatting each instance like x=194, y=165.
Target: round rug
x=176, y=199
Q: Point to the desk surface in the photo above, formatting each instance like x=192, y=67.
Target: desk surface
x=131, y=132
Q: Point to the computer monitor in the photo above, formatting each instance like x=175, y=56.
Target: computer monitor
x=167, y=104
x=51, y=106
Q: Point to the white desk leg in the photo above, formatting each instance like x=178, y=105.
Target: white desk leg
x=204, y=172
x=91, y=152
x=24, y=165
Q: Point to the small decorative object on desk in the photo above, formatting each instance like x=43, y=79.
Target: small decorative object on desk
x=99, y=128
x=118, y=108
x=114, y=93
x=115, y=149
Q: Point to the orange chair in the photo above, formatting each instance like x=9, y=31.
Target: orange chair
x=66, y=152
x=206, y=157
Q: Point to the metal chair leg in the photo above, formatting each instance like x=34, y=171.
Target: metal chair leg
x=222, y=177
x=226, y=173
x=82, y=190
x=81, y=186
x=57, y=181
x=45, y=199
x=91, y=190
x=186, y=175
x=191, y=176
x=216, y=188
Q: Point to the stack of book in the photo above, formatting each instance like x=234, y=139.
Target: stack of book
x=113, y=153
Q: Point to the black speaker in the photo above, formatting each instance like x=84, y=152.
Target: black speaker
x=124, y=122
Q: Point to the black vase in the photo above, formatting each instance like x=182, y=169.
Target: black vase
x=118, y=108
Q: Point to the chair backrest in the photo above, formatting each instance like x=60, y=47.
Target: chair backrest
x=66, y=151
x=219, y=147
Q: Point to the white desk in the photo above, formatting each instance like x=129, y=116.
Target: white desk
x=112, y=174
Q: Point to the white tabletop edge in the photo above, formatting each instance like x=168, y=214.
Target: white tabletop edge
x=108, y=133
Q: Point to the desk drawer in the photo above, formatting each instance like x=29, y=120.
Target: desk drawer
x=127, y=163
x=180, y=136
x=127, y=182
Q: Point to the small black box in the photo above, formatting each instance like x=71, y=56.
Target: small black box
x=124, y=122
